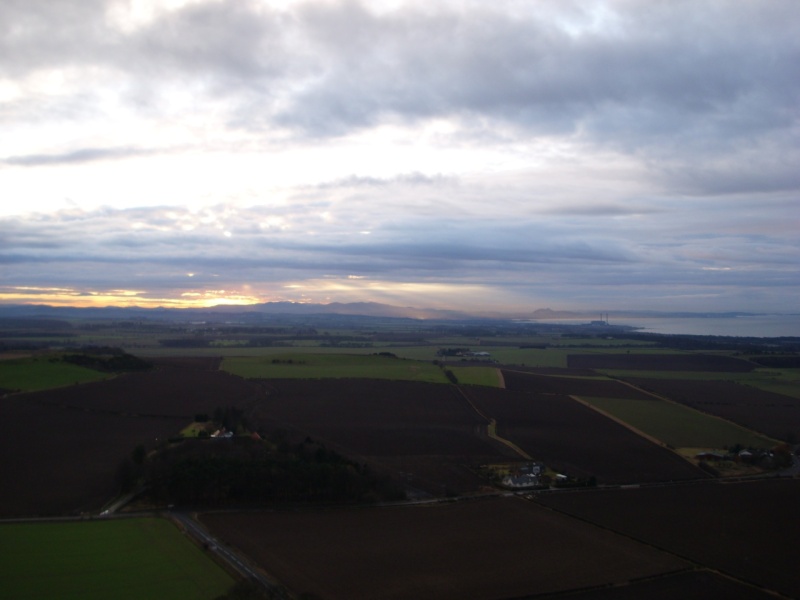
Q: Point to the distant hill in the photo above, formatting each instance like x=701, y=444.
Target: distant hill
x=224, y=311
x=549, y=313
x=255, y=312
x=367, y=309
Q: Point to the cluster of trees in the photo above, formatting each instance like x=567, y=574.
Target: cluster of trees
x=231, y=418
x=131, y=469
x=245, y=470
x=778, y=362
x=108, y=359
x=451, y=377
x=743, y=345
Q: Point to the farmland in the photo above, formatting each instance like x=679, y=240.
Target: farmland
x=424, y=430
x=63, y=460
x=679, y=426
x=490, y=548
x=333, y=366
x=575, y=439
x=661, y=362
x=700, y=584
x=126, y=559
x=775, y=415
x=748, y=530
x=39, y=373
x=567, y=384
x=487, y=376
x=96, y=425
x=428, y=416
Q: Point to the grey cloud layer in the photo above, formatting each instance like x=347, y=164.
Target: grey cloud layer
x=698, y=73
x=557, y=254
x=700, y=99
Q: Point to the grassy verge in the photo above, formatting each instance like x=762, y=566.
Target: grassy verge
x=121, y=559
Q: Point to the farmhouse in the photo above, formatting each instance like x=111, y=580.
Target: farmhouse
x=527, y=475
x=520, y=481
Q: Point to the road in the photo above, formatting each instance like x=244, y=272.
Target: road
x=202, y=535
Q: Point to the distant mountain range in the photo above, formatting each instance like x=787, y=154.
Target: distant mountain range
x=364, y=309
x=229, y=311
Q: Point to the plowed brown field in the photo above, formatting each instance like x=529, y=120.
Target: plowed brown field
x=61, y=448
x=61, y=461
x=746, y=530
x=168, y=391
x=544, y=384
x=427, y=430
x=689, y=585
x=570, y=437
x=482, y=549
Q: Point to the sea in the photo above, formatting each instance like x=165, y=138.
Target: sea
x=741, y=325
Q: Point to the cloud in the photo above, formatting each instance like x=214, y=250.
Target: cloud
x=81, y=155
x=331, y=67
x=557, y=255
x=556, y=149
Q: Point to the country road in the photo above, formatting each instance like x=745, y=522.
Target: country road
x=202, y=535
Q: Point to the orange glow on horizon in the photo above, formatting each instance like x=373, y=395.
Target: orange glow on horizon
x=70, y=297
x=351, y=288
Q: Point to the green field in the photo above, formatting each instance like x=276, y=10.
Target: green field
x=679, y=426
x=779, y=381
x=41, y=373
x=120, y=559
x=332, y=366
x=512, y=355
x=488, y=376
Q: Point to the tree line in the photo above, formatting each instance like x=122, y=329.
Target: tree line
x=253, y=470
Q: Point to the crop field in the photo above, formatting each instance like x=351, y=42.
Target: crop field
x=506, y=355
x=511, y=354
x=678, y=425
x=573, y=438
x=60, y=460
x=482, y=549
x=164, y=392
x=775, y=415
x=67, y=443
x=489, y=376
x=423, y=429
x=660, y=362
x=121, y=559
x=745, y=530
x=379, y=394
x=777, y=381
x=577, y=386
x=321, y=366
x=41, y=373
x=700, y=584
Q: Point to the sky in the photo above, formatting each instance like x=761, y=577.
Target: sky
x=484, y=156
